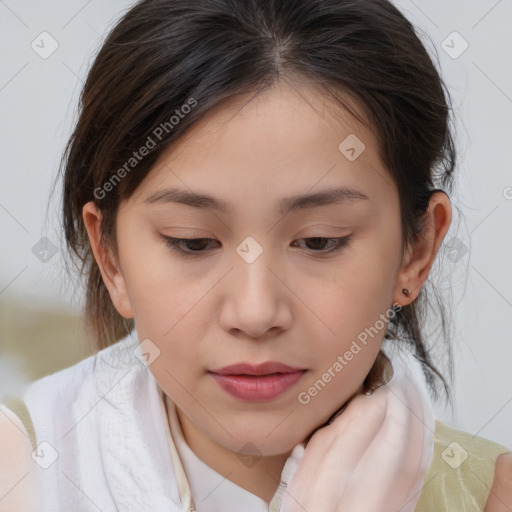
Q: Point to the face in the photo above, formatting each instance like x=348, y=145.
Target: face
x=270, y=276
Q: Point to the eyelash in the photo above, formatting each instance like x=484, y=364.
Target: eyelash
x=174, y=244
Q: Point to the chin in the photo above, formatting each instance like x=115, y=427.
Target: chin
x=258, y=444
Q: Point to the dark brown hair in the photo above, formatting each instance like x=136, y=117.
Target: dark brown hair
x=165, y=54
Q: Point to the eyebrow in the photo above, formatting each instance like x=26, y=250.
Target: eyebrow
x=289, y=204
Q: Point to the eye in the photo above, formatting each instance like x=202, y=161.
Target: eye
x=319, y=243
x=194, y=246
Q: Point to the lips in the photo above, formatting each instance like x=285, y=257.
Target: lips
x=257, y=383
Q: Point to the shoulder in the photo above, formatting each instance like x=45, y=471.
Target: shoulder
x=500, y=496
x=59, y=402
x=460, y=449
x=464, y=467
x=87, y=374
x=12, y=433
x=17, y=473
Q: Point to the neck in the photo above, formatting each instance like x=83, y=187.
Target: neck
x=261, y=477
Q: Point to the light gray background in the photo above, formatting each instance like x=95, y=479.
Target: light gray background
x=38, y=99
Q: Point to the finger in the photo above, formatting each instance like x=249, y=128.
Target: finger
x=352, y=431
x=332, y=453
x=401, y=442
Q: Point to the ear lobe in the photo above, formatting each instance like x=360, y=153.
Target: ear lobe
x=109, y=267
x=421, y=254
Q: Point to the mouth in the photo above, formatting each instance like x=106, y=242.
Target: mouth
x=257, y=383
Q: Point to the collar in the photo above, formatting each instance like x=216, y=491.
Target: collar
x=211, y=490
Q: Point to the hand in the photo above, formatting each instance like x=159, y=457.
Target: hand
x=372, y=458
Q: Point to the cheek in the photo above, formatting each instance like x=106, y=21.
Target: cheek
x=158, y=291
x=166, y=304
x=347, y=348
x=171, y=320
x=354, y=307
x=356, y=296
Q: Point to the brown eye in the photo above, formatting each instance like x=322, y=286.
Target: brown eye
x=318, y=244
x=192, y=245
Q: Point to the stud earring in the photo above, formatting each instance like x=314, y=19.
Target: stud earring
x=406, y=292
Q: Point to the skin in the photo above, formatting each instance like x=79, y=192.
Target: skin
x=500, y=495
x=296, y=303
x=18, y=482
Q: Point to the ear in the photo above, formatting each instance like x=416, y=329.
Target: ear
x=420, y=255
x=107, y=263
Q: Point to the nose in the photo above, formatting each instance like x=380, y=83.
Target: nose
x=255, y=301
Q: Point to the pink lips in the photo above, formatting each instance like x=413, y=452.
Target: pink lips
x=256, y=383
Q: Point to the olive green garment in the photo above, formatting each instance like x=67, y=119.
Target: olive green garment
x=461, y=472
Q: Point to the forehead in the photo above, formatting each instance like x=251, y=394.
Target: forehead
x=286, y=139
